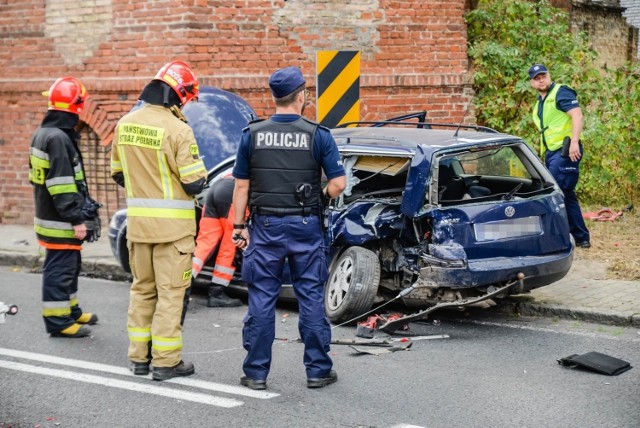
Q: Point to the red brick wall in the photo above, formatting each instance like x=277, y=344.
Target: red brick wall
x=413, y=58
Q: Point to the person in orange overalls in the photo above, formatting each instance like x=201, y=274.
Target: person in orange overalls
x=216, y=228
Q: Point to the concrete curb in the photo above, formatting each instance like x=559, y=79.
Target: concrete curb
x=23, y=260
x=90, y=268
x=101, y=267
x=531, y=308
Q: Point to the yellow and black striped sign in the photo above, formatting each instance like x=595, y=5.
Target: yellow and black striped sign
x=338, y=87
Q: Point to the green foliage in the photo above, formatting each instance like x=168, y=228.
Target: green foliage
x=506, y=37
x=610, y=174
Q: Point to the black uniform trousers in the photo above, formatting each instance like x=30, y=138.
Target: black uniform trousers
x=59, y=289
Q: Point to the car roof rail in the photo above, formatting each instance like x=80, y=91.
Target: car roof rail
x=473, y=127
x=422, y=125
x=420, y=115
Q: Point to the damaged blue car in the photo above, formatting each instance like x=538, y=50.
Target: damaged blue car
x=441, y=214
x=436, y=214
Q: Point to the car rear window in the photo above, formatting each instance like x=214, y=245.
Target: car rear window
x=480, y=174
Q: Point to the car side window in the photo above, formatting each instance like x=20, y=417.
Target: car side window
x=484, y=174
x=500, y=163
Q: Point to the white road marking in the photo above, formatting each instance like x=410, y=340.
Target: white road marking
x=406, y=426
x=123, y=371
x=122, y=384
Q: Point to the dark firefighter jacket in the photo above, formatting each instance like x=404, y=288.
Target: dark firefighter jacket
x=57, y=175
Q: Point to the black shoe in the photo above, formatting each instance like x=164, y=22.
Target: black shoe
x=74, y=331
x=140, y=369
x=166, y=373
x=319, y=382
x=253, y=383
x=219, y=299
x=583, y=244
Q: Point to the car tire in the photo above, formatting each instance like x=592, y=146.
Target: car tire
x=352, y=285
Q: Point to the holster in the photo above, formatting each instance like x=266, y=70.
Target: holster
x=566, y=144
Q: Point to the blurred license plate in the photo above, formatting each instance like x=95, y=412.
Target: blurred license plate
x=512, y=228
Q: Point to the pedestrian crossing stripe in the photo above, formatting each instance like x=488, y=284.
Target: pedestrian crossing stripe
x=337, y=87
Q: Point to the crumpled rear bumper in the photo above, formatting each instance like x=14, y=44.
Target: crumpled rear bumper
x=538, y=270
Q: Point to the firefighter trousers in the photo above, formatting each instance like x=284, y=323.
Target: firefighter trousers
x=224, y=268
x=216, y=232
x=161, y=277
x=60, y=273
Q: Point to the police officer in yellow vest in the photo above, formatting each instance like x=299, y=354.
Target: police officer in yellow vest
x=558, y=117
x=155, y=157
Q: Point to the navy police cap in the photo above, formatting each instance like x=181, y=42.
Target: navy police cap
x=285, y=81
x=537, y=69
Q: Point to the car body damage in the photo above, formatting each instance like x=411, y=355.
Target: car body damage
x=451, y=219
x=365, y=222
x=432, y=215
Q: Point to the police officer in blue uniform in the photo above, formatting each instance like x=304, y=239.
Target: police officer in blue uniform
x=278, y=174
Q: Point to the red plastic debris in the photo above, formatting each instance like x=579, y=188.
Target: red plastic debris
x=605, y=214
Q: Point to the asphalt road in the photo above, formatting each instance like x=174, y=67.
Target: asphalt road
x=491, y=371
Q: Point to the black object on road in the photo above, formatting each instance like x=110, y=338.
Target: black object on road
x=597, y=362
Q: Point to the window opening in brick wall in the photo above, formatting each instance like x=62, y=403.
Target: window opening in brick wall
x=97, y=165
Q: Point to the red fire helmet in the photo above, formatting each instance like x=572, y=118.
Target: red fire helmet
x=180, y=77
x=67, y=94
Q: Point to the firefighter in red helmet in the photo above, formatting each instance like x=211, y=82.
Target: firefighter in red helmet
x=65, y=215
x=156, y=158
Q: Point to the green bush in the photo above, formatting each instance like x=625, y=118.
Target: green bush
x=506, y=37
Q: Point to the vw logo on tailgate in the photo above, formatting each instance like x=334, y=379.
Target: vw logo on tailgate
x=509, y=211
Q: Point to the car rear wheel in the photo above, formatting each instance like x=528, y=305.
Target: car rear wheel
x=352, y=285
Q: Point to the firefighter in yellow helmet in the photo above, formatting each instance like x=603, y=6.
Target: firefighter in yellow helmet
x=65, y=215
x=155, y=157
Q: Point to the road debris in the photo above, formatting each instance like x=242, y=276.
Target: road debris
x=381, y=350
x=605, y=214
x=378, y=346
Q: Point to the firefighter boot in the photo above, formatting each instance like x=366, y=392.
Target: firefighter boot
x=166, y=373
x=73, y=331
x=219, y=299
x=87, y=318
x=140, y=369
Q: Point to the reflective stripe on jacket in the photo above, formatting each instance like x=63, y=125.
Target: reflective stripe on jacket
x=59, y=186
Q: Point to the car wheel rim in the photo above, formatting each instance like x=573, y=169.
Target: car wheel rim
x=339, y=283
